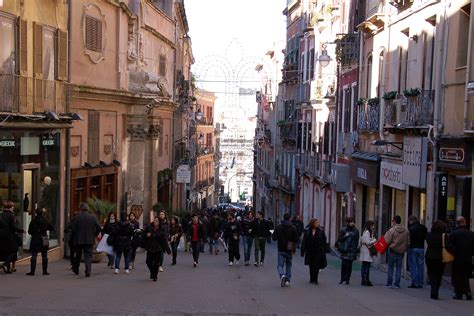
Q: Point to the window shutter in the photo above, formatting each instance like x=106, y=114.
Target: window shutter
x=61, y=58
x=22, y=57
x=93, y=136
x=162, y=69
x=38, y=50
x=93, y=34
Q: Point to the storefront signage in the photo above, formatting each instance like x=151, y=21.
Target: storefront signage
x=183, y=174
x=451, y=154
x=391, y=174
x=442, y=196
x=415, y=151
x=7, y=143
x=47, y=142
x=342, y=177
x=365, y=173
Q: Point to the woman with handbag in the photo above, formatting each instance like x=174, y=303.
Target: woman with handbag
x=367, y=252
x=313, y=249
x=176, y=231
x=38, y=229
x=434, y=256
x=109, y=228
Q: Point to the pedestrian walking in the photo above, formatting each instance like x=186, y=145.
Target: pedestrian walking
x=434, y=257
x=348, y=246
x=247, y=236
x=462, y=245
x=214, y=233
x=416, y=252
x=313, y=249
x=165, y=226
x=367, y=252
x=398, y=240
x=38, y=229
x=85, y=229
x=69, y=240
x=261, y=231
x=136, y=241
x=155, y=245
x=299, y=228
x=185, y=222
x=271, y=227
x=122, y=242
x=108, y=229
x=205, y=225
x=9, y=239
x=196, y=234
x=232, y=233
x=286, y=236
x=176, y=232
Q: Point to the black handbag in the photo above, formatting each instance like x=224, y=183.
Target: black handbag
x=45, y=241
x=372, y=250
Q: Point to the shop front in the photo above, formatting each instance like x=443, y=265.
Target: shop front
x=393, y=192
x=31, y=177
x=365, y=174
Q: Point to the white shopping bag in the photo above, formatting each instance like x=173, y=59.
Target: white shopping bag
x=103, y=246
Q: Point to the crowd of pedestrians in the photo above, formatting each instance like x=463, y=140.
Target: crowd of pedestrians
x=225, y=229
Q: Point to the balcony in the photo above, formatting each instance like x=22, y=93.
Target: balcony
x=204, y=150
x=288, y=130
x=205, y=121
x=327, y=170
x=414, y=110
x=286, y=184
x=309, y=165
x=27, y=95
x=290, y=73
x=303, y=94
x=374, y=17
x=368, y=115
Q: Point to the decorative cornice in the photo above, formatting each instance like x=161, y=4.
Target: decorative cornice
x=140, y=133
x=160, y=36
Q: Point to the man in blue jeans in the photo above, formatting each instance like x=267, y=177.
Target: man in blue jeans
x=247, y=236
x=398, y=239
x=287, y=236
x=416, y=252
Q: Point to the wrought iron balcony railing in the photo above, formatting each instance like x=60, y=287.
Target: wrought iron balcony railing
x=368, y=116
x=410, y=111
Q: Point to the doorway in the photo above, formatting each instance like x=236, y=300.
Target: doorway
x=30, y=176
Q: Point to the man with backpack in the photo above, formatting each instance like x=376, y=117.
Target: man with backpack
x=287, y=236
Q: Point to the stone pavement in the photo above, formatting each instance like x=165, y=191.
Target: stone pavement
x=213, y=288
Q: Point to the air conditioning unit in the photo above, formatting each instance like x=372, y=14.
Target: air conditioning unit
x=401, y=105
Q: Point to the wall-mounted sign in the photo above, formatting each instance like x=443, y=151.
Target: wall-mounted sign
x=451, y=154
x=7, y=143
x=365, y=173
x=415, y=150
x=47, y=142
x=442, y=196
x=391, y=174
x=183, y=174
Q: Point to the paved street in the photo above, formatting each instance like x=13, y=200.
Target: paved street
x=213, y=288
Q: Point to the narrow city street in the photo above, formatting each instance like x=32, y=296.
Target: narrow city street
x=213, y=288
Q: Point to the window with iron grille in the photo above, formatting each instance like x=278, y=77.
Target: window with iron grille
x=93, y=34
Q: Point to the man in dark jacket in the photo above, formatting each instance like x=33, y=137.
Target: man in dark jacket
x=122, y=237
x=298, y=223
x=461, y=244
x=9, y=238
x=38, y=229
x=416, y=251
x=232, y=233
x=287, y=236
x=84, y=229
x=261, y=231
x=348, y=246
x=247, y=236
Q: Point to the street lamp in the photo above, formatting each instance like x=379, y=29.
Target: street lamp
x=324, y=59
x=198, y=115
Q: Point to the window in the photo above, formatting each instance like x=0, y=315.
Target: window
x=93, y=34
x=379, y=83
x=162, y=70
x=311, y=64
x=163, y=5
x=368, y=88
x=463, y=36
x=7, y=42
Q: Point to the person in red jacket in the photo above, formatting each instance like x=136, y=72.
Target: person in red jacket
x=195, y=234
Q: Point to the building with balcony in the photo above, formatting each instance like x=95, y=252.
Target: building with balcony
x=34, y=114
x=204, y=169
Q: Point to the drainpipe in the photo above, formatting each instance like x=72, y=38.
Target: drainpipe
x=468, y=69
x=68, y=130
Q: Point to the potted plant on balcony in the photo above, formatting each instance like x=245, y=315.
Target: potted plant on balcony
x=412, y=92
x=361, y=101
x=373, y=101
x=390, y=95
x=281, y=122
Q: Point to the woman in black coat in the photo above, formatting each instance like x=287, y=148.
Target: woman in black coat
x=434, y=257
x=155, y=245
x=122, y=237
x=109, y=227
x=176, y=231
x=38, y=229
x=313, y=248
x=9, y=239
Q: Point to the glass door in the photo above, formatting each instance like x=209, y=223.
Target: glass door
x=30, y=197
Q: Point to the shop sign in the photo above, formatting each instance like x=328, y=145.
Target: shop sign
x=183, y=174
x=442, y=195
x=365, y=173
x=7, y=143
x=391, y=174
x=415, y=150
x=451, y=154
x=47, y=142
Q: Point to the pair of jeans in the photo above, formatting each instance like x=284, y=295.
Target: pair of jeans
x=247, y=240
x=435, y=274
x=284, y=264
x=346, y=270
x=260, y=247
x=196, y=247
x=111, y=260
x=44, y=257
x=152, y=262
x=126, y=258
x=416, y=265
x=174, y=250
x=365, y=271
x=87, y=249
x=234, y=250
x=394, y=259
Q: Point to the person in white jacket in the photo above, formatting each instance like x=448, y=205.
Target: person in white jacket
x=367, y=240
